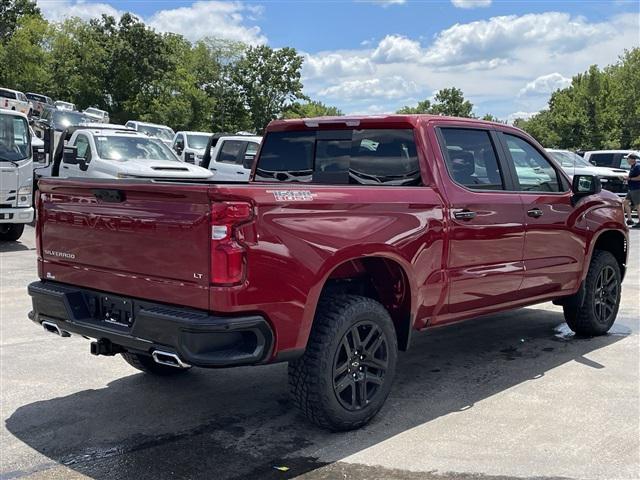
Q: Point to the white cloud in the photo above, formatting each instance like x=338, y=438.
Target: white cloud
x=385, y=3
x=213, y=18
x=58, y=10
x=396, y=48
x=492, y=61
x=512, y=117
x=335, y=64
x=388, y=88
x=471, y=3
x=545, y=84
x=498, y=37
x=210, y=18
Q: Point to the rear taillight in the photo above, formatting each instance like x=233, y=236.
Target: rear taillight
x=228, y=260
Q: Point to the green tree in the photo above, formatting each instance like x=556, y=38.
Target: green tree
x=451, y=102
x=488, y=117
x=269, y=81
x=309, y=109
x=600, y=109
x=24, y=58
x=11, y=12
x=79, y=63
x=422, y=107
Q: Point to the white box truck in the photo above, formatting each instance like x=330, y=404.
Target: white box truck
x=16, y=175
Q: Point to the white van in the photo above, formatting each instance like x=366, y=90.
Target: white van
x=14, y=100
x=190, y=146
x=161, y=132
x=16, y=174
x=120, y=153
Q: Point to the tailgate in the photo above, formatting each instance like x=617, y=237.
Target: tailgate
x=147, y=240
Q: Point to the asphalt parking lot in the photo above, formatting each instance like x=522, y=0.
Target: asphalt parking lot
x=513, y=395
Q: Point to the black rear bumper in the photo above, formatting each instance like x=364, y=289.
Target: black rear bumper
x=198, y=338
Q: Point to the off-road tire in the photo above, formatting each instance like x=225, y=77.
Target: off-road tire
x=12, y=232
x=585, y=320
x=145, y=364
x=312, y=377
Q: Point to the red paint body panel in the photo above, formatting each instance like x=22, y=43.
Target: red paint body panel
x=155, y=244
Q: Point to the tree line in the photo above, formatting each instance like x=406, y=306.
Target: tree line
x=599, y=110
x=132, y=71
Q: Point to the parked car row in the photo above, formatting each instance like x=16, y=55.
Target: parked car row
x=613, y=178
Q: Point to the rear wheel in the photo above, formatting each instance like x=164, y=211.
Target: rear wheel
x=602, y=297
x=10, y=232
x=345, y=375
x=145, y=364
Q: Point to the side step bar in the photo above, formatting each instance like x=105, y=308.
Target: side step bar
x=169, y=359
x=54, y=328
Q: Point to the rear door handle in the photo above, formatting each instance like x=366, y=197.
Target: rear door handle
x=534, y=212
x=464, y=215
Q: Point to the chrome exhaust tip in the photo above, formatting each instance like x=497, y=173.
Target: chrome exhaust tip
x=54, y=328
x=169, y=359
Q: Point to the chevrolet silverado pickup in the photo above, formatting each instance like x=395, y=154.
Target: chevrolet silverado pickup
x=353, y=233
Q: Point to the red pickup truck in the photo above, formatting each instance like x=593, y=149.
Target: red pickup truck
x=352, y=233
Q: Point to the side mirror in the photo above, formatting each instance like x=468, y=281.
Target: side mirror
x=179, y=149
x=585, y=185
x=189, y=157
x=83, y=164
x=39, y=155
x=70, y=155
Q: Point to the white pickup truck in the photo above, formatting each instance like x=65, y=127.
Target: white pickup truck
x=16, y=174
x=161, y=132
x=190, y=146
x=118, y=152
x=230, y=157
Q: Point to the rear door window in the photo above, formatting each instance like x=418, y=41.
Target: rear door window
x=357, y=157
x=471, y=158
x=232, y=151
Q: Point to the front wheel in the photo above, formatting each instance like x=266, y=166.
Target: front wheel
x=602, y=297
x=346, y=372
x=11, y=232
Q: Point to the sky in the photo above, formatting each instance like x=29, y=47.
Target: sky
x=375, y=56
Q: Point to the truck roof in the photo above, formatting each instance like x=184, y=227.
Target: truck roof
x=15, y=113
x=150, y=124
x=371, y=121
x=191, y=132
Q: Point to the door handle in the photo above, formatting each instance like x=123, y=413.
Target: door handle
x=240, y=173
x=535, y=212
x=464, y=215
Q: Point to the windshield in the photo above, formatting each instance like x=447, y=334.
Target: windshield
x=132, y=148
x=94, y=111
x=15, y=141
x=37, y=98
x=163, y=133
x=569, y=159
x=63, y=119
x=197, y=141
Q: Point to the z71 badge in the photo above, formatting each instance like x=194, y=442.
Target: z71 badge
x=292, y=195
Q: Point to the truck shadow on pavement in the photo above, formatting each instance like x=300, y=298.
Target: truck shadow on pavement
x=239, y=423
x=6, y=247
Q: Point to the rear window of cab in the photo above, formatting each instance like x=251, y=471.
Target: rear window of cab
x=356, y=157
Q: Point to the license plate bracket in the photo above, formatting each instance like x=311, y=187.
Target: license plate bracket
x=116, y=310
